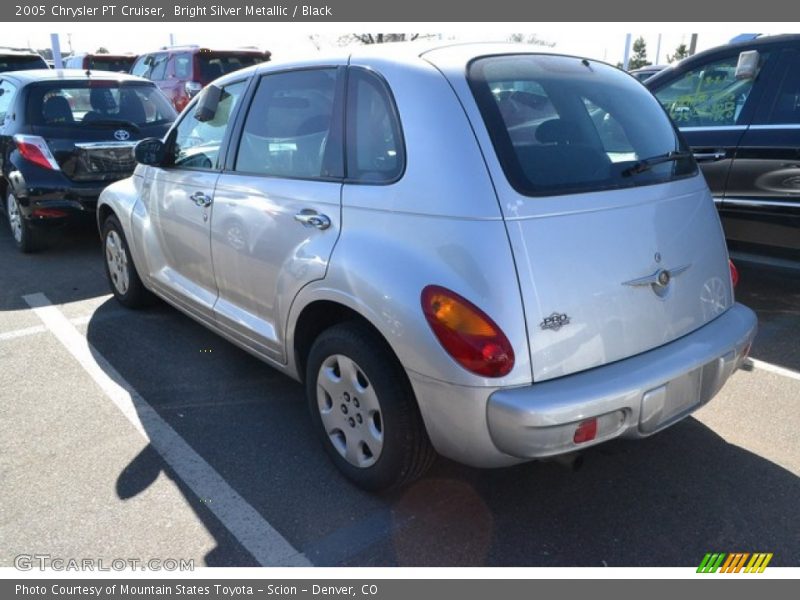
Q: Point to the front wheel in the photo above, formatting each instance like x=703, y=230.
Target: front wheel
x=125, y=283
x=364, y=409
x=21, y=231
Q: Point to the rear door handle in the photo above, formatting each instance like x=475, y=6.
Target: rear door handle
x=311, y=218
x=201, y=199
x=713, y=156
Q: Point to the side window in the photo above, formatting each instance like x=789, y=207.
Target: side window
x=708, y=96
x=197, y=142
x=7, y=92
x=288, y=129
x=375, y=152
x=141, y=67
x=158, y=69
x=183, y=66
x=786, y=109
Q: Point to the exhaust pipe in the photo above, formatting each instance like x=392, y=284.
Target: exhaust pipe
x=572, y=461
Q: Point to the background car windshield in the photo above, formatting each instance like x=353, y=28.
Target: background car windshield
x=102, y=63
x=215, y=65
x=96, y=103
x=21, y=63
x=563, y=125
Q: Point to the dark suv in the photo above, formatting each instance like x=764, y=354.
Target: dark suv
x=738, y=107
x=66, y=135
x=182, y=71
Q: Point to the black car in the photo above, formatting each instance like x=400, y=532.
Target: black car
x=17, y=59
x=64, y=136
x=738, y=107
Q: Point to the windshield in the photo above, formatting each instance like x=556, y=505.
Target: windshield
x=566, y=125
x=98, y=103
x=120, y=64
x=21, y=63
x=212, y=65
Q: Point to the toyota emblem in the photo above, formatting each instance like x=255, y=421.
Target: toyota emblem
x=121, y=135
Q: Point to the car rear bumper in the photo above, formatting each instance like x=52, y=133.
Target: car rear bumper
x=50, y=205
x=631, y=398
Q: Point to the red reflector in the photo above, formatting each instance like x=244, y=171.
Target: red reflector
x=585, y=432
x=734, y=273
x=47, y=213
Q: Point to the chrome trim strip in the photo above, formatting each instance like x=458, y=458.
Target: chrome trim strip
x=105, y=145
x=713, y=128
x=776, y=126
x=718, y=200
x=755, y=203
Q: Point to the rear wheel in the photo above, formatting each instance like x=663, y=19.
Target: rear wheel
x=364, y=409
x=125, y=283
x=22, y=233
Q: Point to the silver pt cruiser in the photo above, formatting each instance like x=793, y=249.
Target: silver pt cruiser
x=475, y=250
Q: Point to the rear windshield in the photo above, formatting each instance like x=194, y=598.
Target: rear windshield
x=212, y=65
x=564, y=125
x=21, y=63
x=109, y=63
x=98, y=104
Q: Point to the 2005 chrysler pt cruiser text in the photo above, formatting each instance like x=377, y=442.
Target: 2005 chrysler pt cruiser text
x=496, y=254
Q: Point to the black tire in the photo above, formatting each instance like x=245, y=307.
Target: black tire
x=25, y=237
x=406, y=451
x=133, y=294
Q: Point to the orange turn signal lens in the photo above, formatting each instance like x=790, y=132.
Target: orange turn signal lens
x=466, y=333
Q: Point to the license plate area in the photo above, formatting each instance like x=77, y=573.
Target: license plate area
x=675, y=399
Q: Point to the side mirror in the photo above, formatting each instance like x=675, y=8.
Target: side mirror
x=207, y=103
x=747, y=67
x=150, y=151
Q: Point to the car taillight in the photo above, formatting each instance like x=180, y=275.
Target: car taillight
x=466, y=333
x=734, y=273
x=34, y=149
x=192, y=87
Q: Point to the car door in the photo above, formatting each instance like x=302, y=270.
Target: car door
x=178, y=199
x=713, y=109
x=277, y=205
x=761, y=210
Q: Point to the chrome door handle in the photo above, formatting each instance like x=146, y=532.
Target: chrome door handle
x=709, y=156
x=311, y=218
x=201, y=199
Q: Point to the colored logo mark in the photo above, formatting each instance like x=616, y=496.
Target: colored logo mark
x=735, y=562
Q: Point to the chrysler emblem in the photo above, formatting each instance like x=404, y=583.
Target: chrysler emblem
x=658, y=280
x=121, y=135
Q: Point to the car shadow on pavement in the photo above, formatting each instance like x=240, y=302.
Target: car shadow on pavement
x=774, y=294
x=664, y=501
x=68, y=268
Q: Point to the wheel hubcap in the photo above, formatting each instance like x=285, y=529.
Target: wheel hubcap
x=350, y=411
x=14, y=218
x=117, y=261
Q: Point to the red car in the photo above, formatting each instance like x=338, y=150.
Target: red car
x=182, y=71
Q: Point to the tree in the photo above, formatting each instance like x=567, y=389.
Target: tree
x=639, y=57
x=530, y=38
x=681, y=52
x=380, y=38
x=102, y=50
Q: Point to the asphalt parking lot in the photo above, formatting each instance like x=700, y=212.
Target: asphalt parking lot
x=142, y=434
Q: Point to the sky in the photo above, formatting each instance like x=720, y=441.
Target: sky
x=295, y=40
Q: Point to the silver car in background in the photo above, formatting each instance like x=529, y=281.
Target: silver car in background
x=495, y=254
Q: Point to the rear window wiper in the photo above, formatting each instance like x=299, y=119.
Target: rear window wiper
x=112, y=123
x=646, y=164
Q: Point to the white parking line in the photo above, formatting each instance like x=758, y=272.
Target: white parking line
x=18, y=333
x=765, y=366
x=252, y=531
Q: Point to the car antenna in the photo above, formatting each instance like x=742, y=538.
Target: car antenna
x=585, y=63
